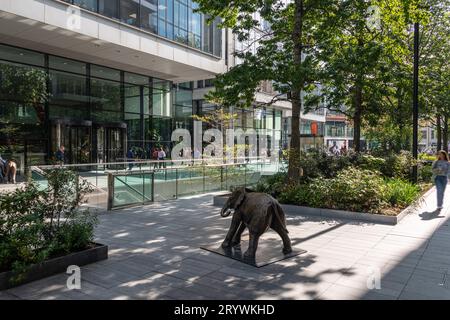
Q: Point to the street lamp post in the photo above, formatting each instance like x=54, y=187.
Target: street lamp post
x=416, y=99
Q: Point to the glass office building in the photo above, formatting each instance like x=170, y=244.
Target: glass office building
x=129, y=81
x=95, y=112
x=172, y=19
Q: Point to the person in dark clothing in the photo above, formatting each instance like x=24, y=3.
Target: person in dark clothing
x=60, y=155
x=130, y=158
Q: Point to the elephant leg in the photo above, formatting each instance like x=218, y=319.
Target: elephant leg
x=252, y=246
x=287, y=248
x=237, y=236
x=235, y=222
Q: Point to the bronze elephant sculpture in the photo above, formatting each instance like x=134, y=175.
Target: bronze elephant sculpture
x=258, y=212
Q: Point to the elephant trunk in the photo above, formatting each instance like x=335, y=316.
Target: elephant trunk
x=225, y=212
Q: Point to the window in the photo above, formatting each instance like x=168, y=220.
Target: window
x=67, y=65
x=217, y=38
x=180, y=21
x=20, y=82
x=207, y=35
x=195, y=38
x=133, y=78
x=172, y=19
x=149, y=15
x=21, y=55
x=129, y=11
x=105, y=95
x=105, y=73
x=161, y=99
x=278, y=116
x=68, y=90
x=269, y=119
x=209, y=83
x=133, y=126
x=109, y=8
x=133, y=99
x=87, y=4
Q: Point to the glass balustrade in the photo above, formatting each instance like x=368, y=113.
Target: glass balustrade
x=124, y=184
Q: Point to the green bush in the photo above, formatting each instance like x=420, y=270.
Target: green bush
x=401, y=193
x=425, y=173
x=272, y=184
x=38, y=224
x=370, y=162
x=353, y=189
x=427, y=157
x=398, y=165
x=75, y=234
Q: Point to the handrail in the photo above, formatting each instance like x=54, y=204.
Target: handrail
x=140, y=162
x=134, y=189
x=149, y=171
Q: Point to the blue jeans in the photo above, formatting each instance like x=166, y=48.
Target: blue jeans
x=441, y=184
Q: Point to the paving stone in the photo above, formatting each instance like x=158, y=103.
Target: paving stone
x=155, y=254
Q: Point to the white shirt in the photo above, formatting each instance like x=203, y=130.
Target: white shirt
x=161, y=154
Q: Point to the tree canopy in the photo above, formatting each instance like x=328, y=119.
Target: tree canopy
x=358, y=53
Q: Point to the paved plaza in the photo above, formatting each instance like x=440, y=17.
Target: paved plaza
x=154, y=253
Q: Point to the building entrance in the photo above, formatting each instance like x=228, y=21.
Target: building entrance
x=85, y=142
x=109, y=143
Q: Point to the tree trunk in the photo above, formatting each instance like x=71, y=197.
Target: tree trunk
x=357, y=119
x=445, y=135
x=294, y=171
x=439, y=132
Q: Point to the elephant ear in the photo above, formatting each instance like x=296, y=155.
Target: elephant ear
x=240, y=198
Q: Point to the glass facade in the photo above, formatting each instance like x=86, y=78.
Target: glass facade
x=96, y=112
x=171, y=19
x=264, y=119
x=338, y=129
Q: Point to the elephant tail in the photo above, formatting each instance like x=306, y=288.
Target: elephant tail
x=279, y=215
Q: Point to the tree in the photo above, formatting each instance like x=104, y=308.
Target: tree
x=435, y=68
x=283, y=56
x=362, y=61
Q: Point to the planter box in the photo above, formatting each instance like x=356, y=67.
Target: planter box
x=293, y=210
x=56, y=265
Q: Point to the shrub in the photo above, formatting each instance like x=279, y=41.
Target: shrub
x=401, y=193
x=273, y=184
x=370, y=162
x=353, y=189
x=37, y=224
x=425, y=173
x=427, y=157
x=399, y=165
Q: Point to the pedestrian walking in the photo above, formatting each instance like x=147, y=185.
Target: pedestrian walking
x=441, y=172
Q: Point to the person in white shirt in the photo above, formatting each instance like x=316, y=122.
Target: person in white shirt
x=162, y=157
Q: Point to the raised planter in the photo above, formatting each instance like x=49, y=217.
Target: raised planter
x=56, y=265
x=338, y=214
